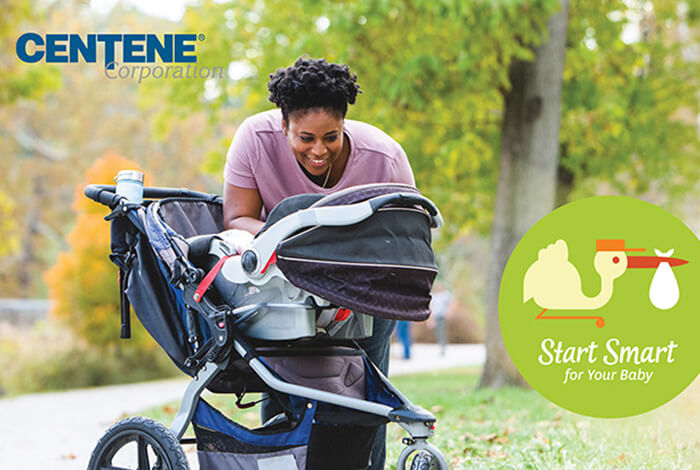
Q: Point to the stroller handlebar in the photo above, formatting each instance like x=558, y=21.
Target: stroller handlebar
x=106, y=194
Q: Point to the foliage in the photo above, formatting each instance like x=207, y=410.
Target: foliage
x=9, y=239
x=17, y=79
x=441, y=103
x=83, y=282
x=630, y=97
x=434, y=72
x=47, y=142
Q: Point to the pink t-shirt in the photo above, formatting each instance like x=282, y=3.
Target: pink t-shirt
x=260, y=158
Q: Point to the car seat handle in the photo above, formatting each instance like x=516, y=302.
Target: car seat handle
x=406, y=199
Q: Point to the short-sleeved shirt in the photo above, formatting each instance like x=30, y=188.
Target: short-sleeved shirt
x=260, y=158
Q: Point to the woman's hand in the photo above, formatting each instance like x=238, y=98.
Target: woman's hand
x=242, y=208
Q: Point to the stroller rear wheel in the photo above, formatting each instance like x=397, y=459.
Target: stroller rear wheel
x=140, y=444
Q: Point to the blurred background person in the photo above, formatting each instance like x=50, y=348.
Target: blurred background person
x=440, y=305
x=403, y=332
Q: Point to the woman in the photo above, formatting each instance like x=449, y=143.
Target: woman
x=307, y=146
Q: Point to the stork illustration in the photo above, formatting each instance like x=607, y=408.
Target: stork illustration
x=554, y=283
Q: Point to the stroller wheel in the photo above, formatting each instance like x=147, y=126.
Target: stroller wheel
x=424, y=461
x=140, y=444
x=423, y=456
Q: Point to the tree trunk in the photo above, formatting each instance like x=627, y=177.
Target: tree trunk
x=527, y=179
x=566, y=181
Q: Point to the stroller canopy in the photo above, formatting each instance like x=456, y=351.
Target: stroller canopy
x=383, y=266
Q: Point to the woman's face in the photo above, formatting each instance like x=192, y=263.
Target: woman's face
x=316, y=139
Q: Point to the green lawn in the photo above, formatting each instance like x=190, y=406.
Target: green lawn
x=518, y=429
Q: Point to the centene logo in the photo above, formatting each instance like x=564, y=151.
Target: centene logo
x=136, y=48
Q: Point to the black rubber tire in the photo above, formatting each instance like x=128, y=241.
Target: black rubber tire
x=424, y=461
x=147, y=434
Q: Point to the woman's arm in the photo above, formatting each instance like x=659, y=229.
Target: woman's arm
x=242, y=208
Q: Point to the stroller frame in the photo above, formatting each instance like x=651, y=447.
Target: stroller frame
x=214, y=356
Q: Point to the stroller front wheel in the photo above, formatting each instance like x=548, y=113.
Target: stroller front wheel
x=140, y=444
x=427, y=457
x=424, y=461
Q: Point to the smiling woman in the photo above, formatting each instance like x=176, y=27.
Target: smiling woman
x=316, y=140
x=307, y=146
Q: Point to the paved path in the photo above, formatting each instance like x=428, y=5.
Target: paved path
x=58, y=431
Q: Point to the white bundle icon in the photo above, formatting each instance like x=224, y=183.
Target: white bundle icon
x=664, y=292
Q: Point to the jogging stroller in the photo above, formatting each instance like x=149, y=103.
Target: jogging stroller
x=281, y=318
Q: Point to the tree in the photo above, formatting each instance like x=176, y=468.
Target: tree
x=49, y=139
x=17, y=80
x=83, y=282
x=430, y=71
x=630, y=100
x=624, y=98
x=528, y=174
x=434, y=73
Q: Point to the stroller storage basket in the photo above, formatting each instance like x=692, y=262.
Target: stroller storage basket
x=307, y=445
x=337, y=437
x=221, y=443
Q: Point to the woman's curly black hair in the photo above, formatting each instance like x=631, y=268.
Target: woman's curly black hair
x=313, y=83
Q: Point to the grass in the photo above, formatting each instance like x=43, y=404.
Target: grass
x=518, y=429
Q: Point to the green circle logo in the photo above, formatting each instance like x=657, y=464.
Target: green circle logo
x=599, y=306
